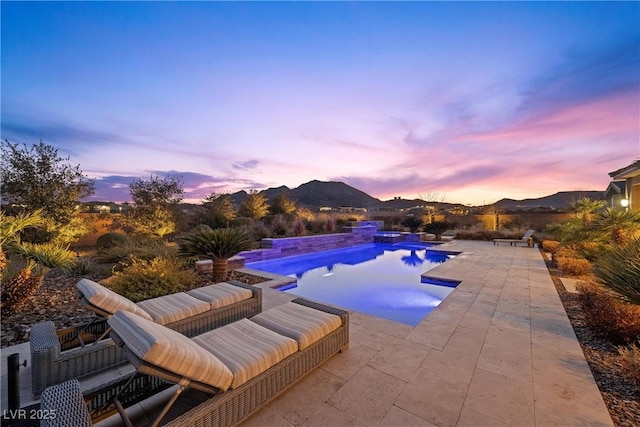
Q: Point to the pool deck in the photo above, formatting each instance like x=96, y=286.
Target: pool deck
x=499, y=351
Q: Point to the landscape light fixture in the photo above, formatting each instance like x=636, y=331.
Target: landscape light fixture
x=624, y=203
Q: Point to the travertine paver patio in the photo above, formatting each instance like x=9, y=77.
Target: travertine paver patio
x=499, y=351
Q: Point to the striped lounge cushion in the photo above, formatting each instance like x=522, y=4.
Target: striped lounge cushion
x=106, y=299
x=221, y=294
x=246, y=348
x=172, y=308
x=170, y=350
x=304, y=324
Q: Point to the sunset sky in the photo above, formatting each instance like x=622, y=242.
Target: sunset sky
x=474, y=101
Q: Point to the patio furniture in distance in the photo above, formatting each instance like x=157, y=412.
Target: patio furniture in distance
x=224, y=375
x=526, y=239
x=57, y=356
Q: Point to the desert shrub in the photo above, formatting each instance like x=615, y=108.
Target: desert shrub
x=81, y=266
x=144, y=249
x=485, y=235
x=260, y=231
x=574, y=266
x=630, y=363
x=108, y=240
x=243, y=221
x=280, y=226
x=619, y=269
x=565, y=252
x=550, y=245
x=143, y=279
x=299, y=227
x=315, y=226
x=608, y=316
x=463, y=235
x=330, y=225
x=305, y=214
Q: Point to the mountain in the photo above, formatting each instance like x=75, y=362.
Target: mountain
x=319, y=193
x=335, y=194
x=555, y=201
x=315, y=194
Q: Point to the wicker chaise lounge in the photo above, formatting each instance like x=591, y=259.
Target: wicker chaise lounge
x=57, y=356
x=223, y=376
x=526, y=239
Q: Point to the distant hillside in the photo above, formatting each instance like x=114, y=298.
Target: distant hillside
x=319, y=193
x=335, y=194
x=315, y=194
x=556, y=201
x=411, y=203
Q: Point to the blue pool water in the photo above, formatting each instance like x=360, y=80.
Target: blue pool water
x=379, y=279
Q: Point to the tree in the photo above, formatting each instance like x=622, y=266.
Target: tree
x=154, y=201
x=494, y=212
x=433, y=197
x=282, y=204
x=220, y=209
x=254, y=206
x=37, y=178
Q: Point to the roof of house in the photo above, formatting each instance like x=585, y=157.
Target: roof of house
x=628, y=171
x=615, y=187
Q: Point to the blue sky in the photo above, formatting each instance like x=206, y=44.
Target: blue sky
x=474, y=101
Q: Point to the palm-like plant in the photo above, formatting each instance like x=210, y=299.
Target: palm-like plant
x=218, y=244
x=412, y=222
x=22, y=273
x=585, y=209
x=438, y=228
x=619, y=225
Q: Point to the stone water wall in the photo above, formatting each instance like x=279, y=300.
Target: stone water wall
x=287, y=246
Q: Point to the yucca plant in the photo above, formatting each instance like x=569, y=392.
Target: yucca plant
x=619, y=269
x=218, y=244
x=617, y=225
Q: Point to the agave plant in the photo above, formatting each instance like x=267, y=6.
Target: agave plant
x=218, y=244
x=619, y=269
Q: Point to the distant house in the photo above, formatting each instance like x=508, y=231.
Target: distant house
x=624, y=190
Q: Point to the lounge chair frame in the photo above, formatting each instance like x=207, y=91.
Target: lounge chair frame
x=223, y=408
x=57, y=356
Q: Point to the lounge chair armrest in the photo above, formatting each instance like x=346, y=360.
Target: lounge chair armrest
x=64, y=406
x=344, y=315
x=257, y=292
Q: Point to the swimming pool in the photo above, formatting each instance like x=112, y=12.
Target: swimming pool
x=379, y=279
